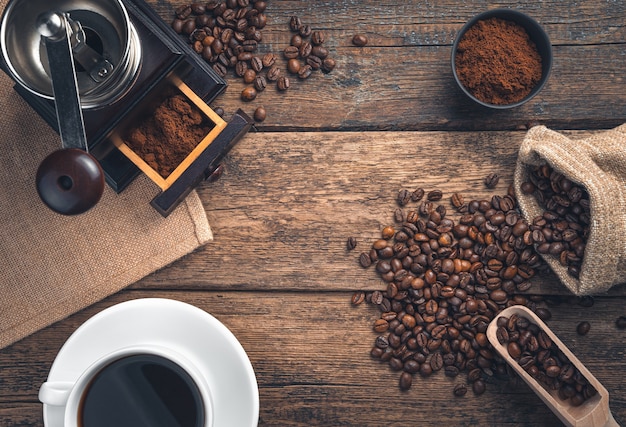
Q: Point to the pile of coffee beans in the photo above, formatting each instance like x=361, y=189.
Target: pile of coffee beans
x=227, y=33
x=445, y=281
x=563, y=228
x=306, y=52
x=538, y=355
x=223, y=32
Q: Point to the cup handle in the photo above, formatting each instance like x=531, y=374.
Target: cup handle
x=55, y=393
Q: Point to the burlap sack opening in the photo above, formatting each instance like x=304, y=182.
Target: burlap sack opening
x=598, y=163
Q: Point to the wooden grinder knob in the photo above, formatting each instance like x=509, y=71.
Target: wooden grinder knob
x=70, y=181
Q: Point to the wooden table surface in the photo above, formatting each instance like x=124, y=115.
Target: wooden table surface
x=326, y=165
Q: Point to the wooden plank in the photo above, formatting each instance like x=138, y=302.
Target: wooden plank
x=310, y=352
x=287, y=203
x=402, y=80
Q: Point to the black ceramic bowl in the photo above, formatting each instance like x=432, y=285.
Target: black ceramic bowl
x=536, y=34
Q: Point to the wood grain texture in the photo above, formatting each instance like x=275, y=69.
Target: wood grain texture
x=310, y=352
x=402, y=80
x=326, y=165
x=288, y=202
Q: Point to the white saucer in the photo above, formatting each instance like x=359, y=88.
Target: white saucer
x=203, y=340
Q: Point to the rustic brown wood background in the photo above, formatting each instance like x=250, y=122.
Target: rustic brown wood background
x=326, y=165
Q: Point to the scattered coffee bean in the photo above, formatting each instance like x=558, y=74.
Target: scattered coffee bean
x=359, y=40
x=365, y=260
x=460, y=390
x=248, y=94
x=406, y=380
x=328, y=65
x=260, y=114
x=351, y=243
x=295, y=23
x=219, y=111
x=491, y=180
x=318, y=38
x=293, y=66
x=358, y=297
x=282, y=83
x=216, y=173
x=403, y=197
x=583, y=328
x=227, y=33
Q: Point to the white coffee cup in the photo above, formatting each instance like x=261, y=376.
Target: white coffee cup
x=70, y=395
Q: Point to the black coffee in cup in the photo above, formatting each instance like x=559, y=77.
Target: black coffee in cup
x=142, y=390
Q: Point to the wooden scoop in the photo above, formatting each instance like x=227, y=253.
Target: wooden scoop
x=594, y=412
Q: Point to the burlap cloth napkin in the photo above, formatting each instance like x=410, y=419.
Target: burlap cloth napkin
x=51, y=265
x=599, y=164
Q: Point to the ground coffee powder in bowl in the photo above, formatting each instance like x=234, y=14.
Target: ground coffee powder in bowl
x=501, y=58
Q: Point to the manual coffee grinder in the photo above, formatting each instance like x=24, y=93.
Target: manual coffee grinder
x=91, y=69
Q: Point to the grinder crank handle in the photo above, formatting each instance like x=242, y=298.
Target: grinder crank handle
x=70, y=181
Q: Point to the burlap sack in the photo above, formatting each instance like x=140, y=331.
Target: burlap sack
x=52, y=266
x=599, y=164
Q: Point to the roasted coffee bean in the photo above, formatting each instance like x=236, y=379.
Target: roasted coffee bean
x=291, y=52
x=358, y=297
x=305, y=72
x=305, y=49
x=305, y=30
x=188, y=27
x=403, y=197
x=351, y=243
x=256, y=64
x=183, y=12
x=294, y=65
x=406, y=380
x=583, y=328
x=434, y=195
x=248, y=94
x=460, y=390
x=365, y=260
x=491, y=180
x=240, y=68
x=282, y=83
x=219, y=69
x=260, y=115
x=328, y=64
x=296, y=41
x=273, y=73
x=249, y=45
x=260, y=83
x=295, y=23
x=318, y=38
x=478, y=387
x=249, y=75
x=319, y=51
x=314, y=62
x=359, y=40
x=268, y=60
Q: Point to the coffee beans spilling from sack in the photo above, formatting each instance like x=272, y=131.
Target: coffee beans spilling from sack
x=535, y=352
x=445, y=281
x=563, y=228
